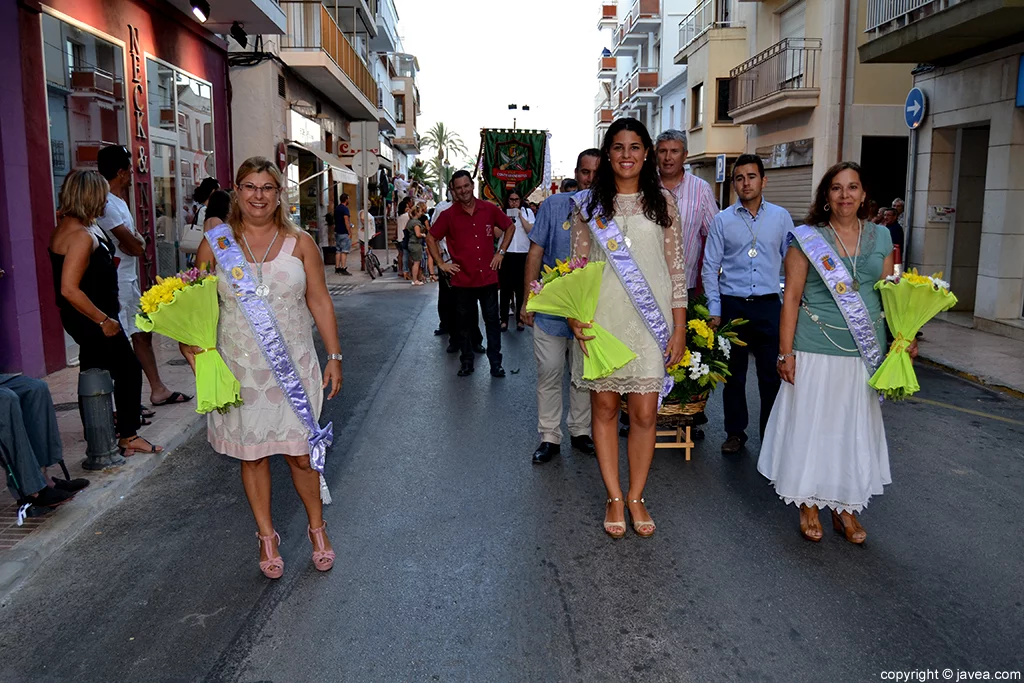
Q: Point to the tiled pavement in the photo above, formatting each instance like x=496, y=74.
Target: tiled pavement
x=988, y=358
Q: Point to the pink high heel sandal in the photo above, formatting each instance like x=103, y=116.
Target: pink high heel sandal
x=274, y=567
x=323, y=560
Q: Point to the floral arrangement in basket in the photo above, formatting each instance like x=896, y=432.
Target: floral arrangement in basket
x=706, y=362
x=909, y=301
x=184, y=307
x=570, y=289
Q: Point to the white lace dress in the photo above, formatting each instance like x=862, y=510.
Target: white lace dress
x=659, y=254
x=265, y=424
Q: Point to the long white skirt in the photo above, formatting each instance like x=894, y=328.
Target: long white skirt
x=825, y=441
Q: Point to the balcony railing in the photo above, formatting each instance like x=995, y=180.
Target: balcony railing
x=311, y=27
x=606, y=65
x=881, y=12
x=605, y=116
x=705, y=16
x=385, y=98
x=643, y=81
x=790, y=64
x=609, y=10
x=640, y=9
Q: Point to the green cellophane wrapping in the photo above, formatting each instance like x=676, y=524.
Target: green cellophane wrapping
x=908, y=306
x=575, y=296
x=191, y=318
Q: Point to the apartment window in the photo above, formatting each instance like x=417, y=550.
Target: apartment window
x=329, y=142
x=672, y=116
x=280, y=85
x=697, y=98
x=400, y=108
x=722, y=104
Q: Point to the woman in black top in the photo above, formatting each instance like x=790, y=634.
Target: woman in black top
x=85, y=279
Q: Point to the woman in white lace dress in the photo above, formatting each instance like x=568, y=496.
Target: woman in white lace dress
x=627, y=189
x=291, y=264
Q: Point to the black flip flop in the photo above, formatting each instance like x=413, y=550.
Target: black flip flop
x=146, y=412
x=175, y=397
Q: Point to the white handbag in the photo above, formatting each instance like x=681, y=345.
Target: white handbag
x=192, y=237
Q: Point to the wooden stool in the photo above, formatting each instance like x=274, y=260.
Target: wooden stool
x=676, y=420
x=679, y=442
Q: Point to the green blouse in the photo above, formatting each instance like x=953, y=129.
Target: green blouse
x=826, y=332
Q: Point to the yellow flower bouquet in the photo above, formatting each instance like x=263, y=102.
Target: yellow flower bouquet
x=184, y=307
x=706, y=362
x=909, y=302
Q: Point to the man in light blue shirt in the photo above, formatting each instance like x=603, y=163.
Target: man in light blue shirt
x=742, y=262
x=550, y=238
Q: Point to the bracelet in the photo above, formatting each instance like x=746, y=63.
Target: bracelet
x=100, y=323
x=334, y=356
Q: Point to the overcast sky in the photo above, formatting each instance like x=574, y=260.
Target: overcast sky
x=478, y=56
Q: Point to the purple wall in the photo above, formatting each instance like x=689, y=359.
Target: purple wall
x=21, y=343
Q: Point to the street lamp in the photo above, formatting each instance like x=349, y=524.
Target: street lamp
x=524, y=107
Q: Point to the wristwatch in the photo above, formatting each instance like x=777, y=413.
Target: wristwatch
x=334, y=356
x=501, y=252
x=784, y=356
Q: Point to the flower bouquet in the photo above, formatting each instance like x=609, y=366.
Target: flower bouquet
x=570, y=290
x=184, y=307
x=909, y=302
x=706, y=361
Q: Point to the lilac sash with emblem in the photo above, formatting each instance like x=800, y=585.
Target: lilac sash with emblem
x=609, y=235
x=264, y=326
x=832, y=270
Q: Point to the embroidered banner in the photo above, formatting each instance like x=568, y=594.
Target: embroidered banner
x=511, y=160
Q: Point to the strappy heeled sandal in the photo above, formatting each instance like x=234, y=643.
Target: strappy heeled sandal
x=643, y=529
x=274, y=567
x=853, y=532
x=614, y=529
x=323, y=560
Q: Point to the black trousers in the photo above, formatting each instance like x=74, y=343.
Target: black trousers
x=448, y=315
x=466, y=299
x=116, y=356
x=761, y=334
x=511, y=276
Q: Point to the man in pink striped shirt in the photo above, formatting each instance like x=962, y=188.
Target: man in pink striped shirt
x=694, y=197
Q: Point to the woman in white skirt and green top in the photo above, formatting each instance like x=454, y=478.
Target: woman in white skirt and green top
x=825, y=441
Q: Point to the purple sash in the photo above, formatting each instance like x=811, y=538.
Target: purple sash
x=832, y=270
x=264, y=326
x=609, y=236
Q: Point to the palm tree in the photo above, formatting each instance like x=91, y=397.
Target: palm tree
x=419, y=172
x=445, y=141
x=440, y=174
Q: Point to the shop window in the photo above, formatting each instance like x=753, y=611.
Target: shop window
x=722, y=104
x=85, y=96
x=697, y=98
x=181, y=151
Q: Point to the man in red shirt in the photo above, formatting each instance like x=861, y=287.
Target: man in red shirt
x=468, y=228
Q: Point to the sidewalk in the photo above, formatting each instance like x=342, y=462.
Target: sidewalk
x=24, y=548
x=984, y=357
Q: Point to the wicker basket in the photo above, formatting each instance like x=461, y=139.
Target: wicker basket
x=676, y=414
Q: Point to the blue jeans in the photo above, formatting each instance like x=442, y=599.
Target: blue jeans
x=29, y=439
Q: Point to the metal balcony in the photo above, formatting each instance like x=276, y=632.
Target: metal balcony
x=606, y=68
x=604, y=116
x=644, y=17
x=642, y=84
x=319, y=52
x=776, y=82
x=706, y=16
x=938, y=31
x=609, y=15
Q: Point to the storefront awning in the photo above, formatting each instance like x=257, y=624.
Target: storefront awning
x=342, y=173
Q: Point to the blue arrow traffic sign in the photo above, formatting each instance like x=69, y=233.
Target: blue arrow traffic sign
x=914, y=108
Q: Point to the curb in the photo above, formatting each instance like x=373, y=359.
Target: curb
x=21, y=562
x=976, y=379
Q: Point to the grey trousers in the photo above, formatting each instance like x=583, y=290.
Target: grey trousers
x=551, y=353
x=29, y=439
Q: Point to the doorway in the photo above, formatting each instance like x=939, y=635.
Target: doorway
x=963, y=249
x=884, y=160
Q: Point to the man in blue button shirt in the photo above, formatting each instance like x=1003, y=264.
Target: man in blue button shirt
x=551, y=336
x=742, y=262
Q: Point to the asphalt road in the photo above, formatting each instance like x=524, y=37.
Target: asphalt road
x=460, y=561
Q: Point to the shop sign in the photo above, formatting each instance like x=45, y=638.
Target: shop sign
x=142, y=187
x=302, y=130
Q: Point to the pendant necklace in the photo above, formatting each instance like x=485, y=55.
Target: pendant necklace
x=262, y=290
x=854, y=255
x=752, y=252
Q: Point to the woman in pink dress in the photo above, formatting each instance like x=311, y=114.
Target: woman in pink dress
x=290, y=263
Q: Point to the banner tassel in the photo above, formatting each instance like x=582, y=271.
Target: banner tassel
x=325, y=493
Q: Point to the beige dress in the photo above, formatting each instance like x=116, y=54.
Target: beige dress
x=659, y=254
x=265, y=424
